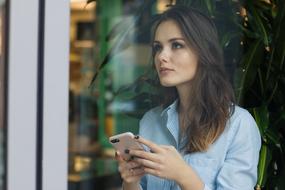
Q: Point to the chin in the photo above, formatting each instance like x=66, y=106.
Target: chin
x=167, y=84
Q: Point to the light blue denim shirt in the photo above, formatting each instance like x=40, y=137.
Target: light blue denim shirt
x=229, y=164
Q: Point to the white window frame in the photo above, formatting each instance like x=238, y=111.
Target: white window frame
x=22, y=95
x=56, y=83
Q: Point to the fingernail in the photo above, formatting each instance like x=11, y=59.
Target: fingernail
x=137, y=137
x=127, y=151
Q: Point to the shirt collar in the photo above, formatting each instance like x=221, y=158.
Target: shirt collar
x=171, y=107
x=170, y=116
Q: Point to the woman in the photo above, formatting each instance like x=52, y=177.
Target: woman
x=198, y=139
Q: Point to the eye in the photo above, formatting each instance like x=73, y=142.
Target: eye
x=156, y=48
x=177, y=45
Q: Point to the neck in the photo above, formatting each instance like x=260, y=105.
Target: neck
x=184, y=98
x=182, y=110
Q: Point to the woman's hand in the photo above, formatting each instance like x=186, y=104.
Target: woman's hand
x=163, y=161
x=131, y=172
x=166, y=162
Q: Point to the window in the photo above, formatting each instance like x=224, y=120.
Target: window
x=109, y=40
x=102, y=109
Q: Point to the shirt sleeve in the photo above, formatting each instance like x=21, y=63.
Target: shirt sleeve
x=143, y=183
x=239, y=170
x=206, y=187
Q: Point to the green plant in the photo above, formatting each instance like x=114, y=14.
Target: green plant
x=261, y=85
x=252, y=35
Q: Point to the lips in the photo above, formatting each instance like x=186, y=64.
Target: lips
x=165, y=70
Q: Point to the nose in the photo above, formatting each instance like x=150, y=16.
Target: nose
x=163, y=55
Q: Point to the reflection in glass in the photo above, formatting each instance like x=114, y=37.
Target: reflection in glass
x=97, y=112
x=2, y=91
x=117, y=33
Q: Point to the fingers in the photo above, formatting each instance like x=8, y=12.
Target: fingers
x=154, y=172
x=168, y=147
x=118, y=157
x=147, y=163
x=128, y=165
x=131, y=172
x=133, y=177
x=154, y=147
x=144, y=155
x=135, y=172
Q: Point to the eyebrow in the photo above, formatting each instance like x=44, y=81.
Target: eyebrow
x=170, y=40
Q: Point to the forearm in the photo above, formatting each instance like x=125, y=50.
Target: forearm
x=189, y=180
x=131, y=186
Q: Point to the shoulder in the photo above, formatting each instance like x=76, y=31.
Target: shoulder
x=242, y=127
x=240, y=112
x=241, y=118
x=152, y=114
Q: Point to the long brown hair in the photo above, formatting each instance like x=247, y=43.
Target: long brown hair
x=212, y=96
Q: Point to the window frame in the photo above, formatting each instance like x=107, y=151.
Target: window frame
x=37, y=105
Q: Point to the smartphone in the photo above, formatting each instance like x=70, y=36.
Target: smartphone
x=124, y=141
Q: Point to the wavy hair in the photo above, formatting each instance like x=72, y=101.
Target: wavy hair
x=212, y=96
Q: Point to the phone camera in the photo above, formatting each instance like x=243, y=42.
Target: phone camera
x=115, y=140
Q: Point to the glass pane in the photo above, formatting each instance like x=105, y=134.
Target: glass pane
x=96, y=111
x=111, y=40
x=2, y=91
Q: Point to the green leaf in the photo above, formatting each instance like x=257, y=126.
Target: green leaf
x=273, y=136
x=250, y=63
x=227, y=38
x=261, y=26
x=279, y=11
x=122, y=41
x=248, y=33
x=263, y=5
x=279, y=121
x=210, y=6
x=261, y=116
x=279, y=43
x=264, y=160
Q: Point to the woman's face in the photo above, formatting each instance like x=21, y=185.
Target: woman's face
x=175, y=62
